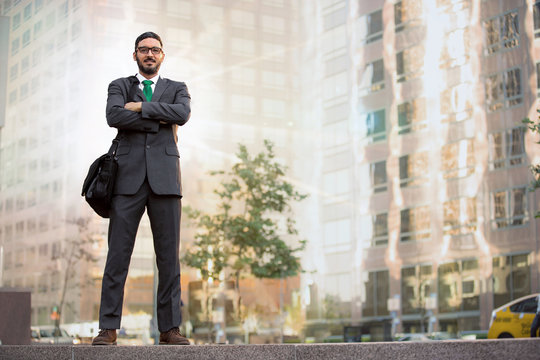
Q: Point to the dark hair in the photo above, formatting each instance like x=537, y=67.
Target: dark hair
x=147, y=35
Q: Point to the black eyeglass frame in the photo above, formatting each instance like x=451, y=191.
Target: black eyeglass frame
x=155, y=50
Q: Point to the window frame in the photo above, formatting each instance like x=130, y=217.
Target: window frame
x=419, y=177
x=501, y=44
x=501, y=85
x=415, y=234
x=379, y=240
x=507, y=160
x=508, y=221
x=379, y=136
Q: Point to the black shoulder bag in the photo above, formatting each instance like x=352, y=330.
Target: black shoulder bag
x=99, y=183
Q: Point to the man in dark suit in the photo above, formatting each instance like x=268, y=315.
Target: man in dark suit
x=147, y=110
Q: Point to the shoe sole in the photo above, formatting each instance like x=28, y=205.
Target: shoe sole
x=104, y=343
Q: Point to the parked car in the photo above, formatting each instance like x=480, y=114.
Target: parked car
x=513, y=320
x=50, y=335
x=413, y=337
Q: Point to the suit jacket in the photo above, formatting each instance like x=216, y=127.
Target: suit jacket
x=147, y=140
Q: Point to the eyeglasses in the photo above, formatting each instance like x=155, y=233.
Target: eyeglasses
x=144, y=50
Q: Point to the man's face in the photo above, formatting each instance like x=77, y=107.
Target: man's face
x=148, y=63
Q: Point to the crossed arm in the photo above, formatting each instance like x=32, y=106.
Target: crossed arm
x=147, y=116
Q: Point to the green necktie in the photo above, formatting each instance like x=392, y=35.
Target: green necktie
x=147, y=90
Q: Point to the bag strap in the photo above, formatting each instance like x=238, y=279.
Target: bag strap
x=114, y=146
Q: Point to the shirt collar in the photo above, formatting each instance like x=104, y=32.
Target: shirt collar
x=142, y=78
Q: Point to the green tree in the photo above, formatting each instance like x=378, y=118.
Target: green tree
x=254, y=218
x=535, y=168
x=75, y=252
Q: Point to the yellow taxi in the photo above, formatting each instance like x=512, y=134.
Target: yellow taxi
x=513, y=320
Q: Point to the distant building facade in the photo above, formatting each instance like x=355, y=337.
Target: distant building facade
x=426, y=216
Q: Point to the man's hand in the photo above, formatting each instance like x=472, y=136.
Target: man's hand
x=133, y=106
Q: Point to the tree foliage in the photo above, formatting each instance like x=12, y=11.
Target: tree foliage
x=254, y=217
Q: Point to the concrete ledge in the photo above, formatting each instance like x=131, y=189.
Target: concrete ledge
x=522, y=349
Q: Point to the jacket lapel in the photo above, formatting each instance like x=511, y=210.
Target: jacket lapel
x=159, y=89
x=135, y=93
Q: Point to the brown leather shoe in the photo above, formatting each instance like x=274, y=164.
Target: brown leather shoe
x=105, y=337
x=172, y=337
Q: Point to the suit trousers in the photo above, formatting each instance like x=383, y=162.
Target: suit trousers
x=164, y=212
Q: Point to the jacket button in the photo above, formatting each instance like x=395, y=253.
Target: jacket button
x=148, y=146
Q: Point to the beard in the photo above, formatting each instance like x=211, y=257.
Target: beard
x=149, y=68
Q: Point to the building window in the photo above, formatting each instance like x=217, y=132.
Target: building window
x=26, y=38
x=338, y=293
x=371, y=27
x=27, y=12
x=536, y=15
x=334, y=40
x=15, y=21
x=50, y=20
x=337, y=185
x=501, y=32
x=13, y=97
x=457, y=103
x=38, y=5
x=409, y=63
x=509, y=208
x=375, y=123
x=459, y=216
x=274, y=80
x=8, y=261
x=242, y=47
x=76, y=30
x=335, y=86
x=378, y=176
x=25, y=90
x=43, y=250
x=273, y=24
x=507, y=148
x=457, y=159
x=511, y=278
x=407, y=14
x=412, y=169
x=380, y=230
x=243, y=104
x=504, y=89
x=459, y=286
x=56, y=250
x=243, y=76
x=371, y=78
x=243, y=19
x=377, y=293
x=415, y=224
x=37, y=29
x=63, y=9
x=43, y=283
x=14, y=72
x=411, y=116
x=15, y=44
x=337, y=235
x=25, y=64
x=415, y=289
x=336, y=134
x=273, y=108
